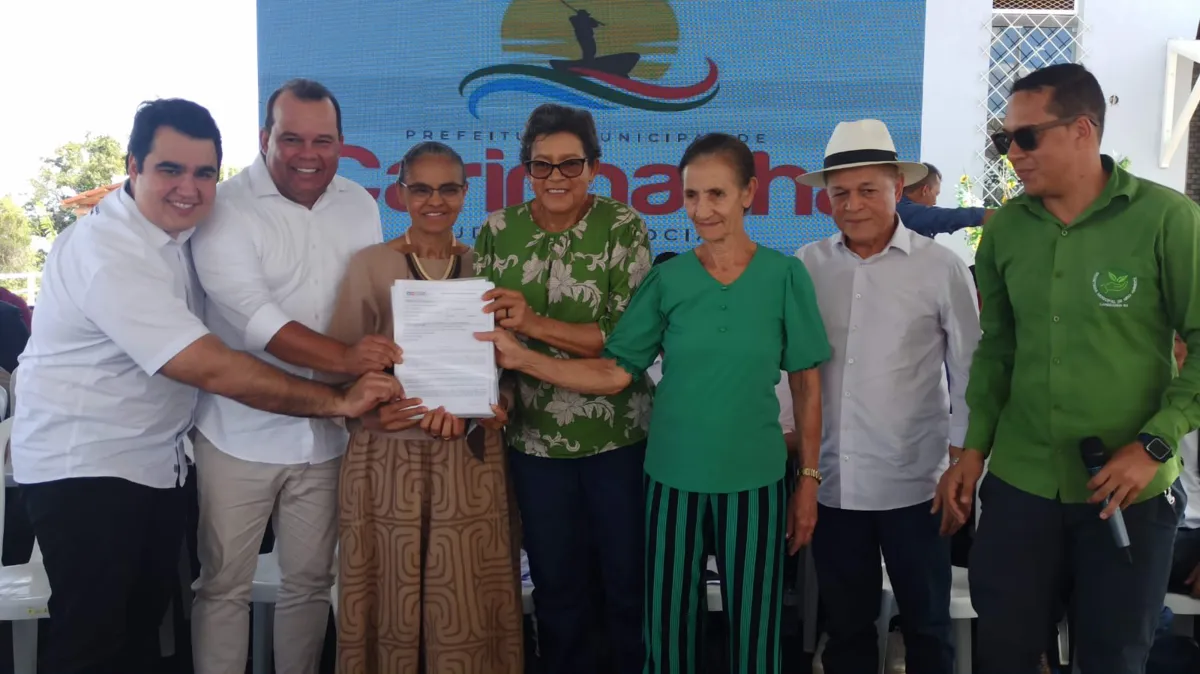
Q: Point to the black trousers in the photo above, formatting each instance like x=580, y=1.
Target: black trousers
x=111, y=550
x=1030, y=551
x=575, y=513
x=846, y=549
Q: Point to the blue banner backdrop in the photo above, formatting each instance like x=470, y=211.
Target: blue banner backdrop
x=778, y=73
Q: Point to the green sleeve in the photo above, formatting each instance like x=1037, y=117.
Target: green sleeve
x=630, y=260
x=1179, y=269
x=485, y=247
x=992, y=365
x=637, y=339
x=806, y=344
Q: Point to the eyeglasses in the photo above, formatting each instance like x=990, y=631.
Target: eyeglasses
x=421, y=191
x=1027, y=137
x=571, y=168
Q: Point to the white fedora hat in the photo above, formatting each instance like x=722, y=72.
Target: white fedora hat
x=862, y=143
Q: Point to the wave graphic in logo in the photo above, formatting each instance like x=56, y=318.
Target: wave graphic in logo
x=573, y=87
x=595, y=80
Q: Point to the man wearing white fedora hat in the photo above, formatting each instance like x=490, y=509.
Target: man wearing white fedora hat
x=900, y=311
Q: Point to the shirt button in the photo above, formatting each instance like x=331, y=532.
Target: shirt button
x=1057, y=361
x=724, y=287
x=723, y=307
x=845, y=457
x=858, y=296
x=721, y=329
x=1055, y=319
x=853, y=328
x=851, y=361
x=1065, y=232
x=1058, y=274
x=847, y=394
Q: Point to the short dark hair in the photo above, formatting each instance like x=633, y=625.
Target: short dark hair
x=429, y=148
x=1075, y=91
x=551, y=118
x=933, y=175
x=663, y=257
x=305, y=90
x=191, y=119
x=728, y=147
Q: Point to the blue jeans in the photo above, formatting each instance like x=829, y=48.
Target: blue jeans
x=1030, y=551
x=576, y=515
x=846, y=549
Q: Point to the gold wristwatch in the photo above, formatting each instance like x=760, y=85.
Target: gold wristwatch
x=813, y=473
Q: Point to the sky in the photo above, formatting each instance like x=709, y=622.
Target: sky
x=72, y=67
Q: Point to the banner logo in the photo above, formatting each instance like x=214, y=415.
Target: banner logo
x=589, y=63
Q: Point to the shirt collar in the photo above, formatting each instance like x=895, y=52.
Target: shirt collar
x=901, y=239
x=120, y=203
x=263, y=185
x=1121, y=183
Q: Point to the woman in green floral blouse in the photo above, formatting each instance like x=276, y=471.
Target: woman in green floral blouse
x=565, y=266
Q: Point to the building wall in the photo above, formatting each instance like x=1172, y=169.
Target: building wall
x=1125, y=49
x=1193, y=150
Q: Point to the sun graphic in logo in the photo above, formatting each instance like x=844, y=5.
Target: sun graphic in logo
x=593, y=54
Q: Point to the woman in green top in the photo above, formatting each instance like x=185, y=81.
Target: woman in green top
x=728, y=316
x=565, y=266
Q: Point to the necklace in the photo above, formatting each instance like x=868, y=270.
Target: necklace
x=414, y=262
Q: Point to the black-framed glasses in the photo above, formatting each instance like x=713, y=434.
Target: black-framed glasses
x=570, y=168
x=421, y=191
x=1027, y=137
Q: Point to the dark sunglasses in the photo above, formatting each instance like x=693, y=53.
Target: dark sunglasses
x=1027, y=137
x=571, y=168
x=422, y=191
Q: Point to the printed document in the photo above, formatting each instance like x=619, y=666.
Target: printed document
x=444, y=365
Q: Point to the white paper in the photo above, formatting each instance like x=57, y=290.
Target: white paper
x=444, y=365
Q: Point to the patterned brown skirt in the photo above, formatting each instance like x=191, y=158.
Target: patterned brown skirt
x=426, y=564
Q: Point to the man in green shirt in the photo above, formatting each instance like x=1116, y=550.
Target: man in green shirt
x=1084, y=281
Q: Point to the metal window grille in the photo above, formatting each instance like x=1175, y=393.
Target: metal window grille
x=1026, y=35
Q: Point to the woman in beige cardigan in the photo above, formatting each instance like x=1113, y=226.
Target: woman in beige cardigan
x=428, y=579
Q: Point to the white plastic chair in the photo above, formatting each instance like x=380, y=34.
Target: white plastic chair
x=24, y=591
x=1182, y=605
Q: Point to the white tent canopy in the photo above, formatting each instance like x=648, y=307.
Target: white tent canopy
x=1175, y=128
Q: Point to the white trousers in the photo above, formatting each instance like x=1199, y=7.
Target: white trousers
x=236, y=499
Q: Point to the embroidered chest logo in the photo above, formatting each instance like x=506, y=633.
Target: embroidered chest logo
x=1114, y=287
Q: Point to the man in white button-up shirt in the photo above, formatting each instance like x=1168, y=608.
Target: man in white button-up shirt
x=271, y=261
x=901, y=314
x=107, y=396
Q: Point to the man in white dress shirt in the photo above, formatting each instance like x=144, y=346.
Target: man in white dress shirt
x=901, y=313
x=271, y=261
x=107, y=396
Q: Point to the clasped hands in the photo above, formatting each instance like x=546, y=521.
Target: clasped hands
x=379, y=399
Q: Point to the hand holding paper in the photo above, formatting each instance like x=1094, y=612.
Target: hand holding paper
x=444, y=365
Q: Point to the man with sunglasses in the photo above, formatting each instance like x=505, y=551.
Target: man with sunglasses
x=1084, y=279
x=270, y=261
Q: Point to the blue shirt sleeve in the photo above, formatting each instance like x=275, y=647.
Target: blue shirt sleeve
x=932, y=220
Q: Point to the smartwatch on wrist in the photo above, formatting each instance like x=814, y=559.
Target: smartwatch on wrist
x=1155, y=446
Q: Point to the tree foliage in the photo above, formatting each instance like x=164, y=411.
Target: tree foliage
x=16, y=255
x=74, y=168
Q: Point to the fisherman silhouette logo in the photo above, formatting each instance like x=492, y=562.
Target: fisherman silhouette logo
x=623, y=49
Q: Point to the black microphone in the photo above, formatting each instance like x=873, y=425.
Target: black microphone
x=1091, y=450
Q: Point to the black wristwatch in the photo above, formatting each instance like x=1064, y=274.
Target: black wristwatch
x=1155, y=447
